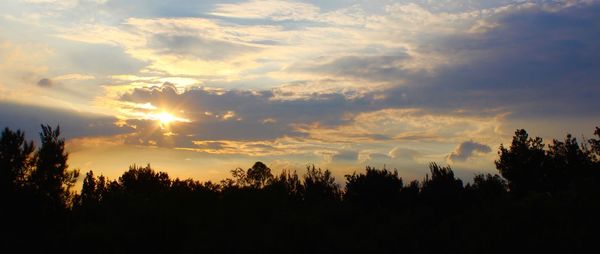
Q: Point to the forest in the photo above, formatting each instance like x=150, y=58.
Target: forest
x=545, y=198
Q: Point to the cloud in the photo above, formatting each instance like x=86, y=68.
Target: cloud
x=538, y=62
x=374, y=68
x=487, y=71
x=467, y=150
x=194, y=46
x=73, y=124
x=387, y=82
x=346, y=155
x=74, y=77
x=404, y=154
x=531, y=60
x=45, y=82
x=243, y=114
x=22, y=64
x=51, y=82
x=268, y=9
x=57, y=4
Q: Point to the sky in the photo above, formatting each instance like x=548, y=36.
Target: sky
x=198, y=88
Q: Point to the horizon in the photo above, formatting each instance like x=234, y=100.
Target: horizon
x=197, y=89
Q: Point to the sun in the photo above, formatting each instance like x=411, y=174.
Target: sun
x=165, y=118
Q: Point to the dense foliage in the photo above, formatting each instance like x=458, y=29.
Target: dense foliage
x=546, y=199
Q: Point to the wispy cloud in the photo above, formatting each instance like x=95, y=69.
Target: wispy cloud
x=268, y=9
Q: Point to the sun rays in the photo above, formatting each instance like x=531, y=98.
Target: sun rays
x=166, y=119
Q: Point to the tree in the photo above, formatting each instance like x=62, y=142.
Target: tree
x=568, y=163
x=51, y=178
x=441, y=188
x=289, y=183
x=256, y=177
x=144, y=181
x=240, y=179
x=522, y=164
x=16, y=159
x=89, y=192
x=320, y=185
x=487, y=187
x=374, y=188
x=259, y=175
x=595, y=143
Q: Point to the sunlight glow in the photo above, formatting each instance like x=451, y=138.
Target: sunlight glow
x=166, y=118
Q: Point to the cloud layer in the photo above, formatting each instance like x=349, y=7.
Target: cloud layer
x=398, y=83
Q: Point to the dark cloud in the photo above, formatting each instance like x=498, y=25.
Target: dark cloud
x=378, y=157
x=467, y=149
x=247, y=115
x=376, y=68
x=345, y=155
x=73, y=124
x=534, y=62
x=45, y=82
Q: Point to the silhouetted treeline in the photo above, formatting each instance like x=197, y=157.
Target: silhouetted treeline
x=546, y=198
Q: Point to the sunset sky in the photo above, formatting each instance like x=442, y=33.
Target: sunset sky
x=197, y=88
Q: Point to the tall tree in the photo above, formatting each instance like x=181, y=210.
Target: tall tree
x=16, y=159
x=522, y=164
x=89, y=191
x=51, y=178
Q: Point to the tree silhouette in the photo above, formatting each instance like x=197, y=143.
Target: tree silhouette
x=555, y=207
x=373, y=188
x=568, y=162
x=595, y=143
x=51, y=178
x=16, y=160
x=320, y=185
x=441, y=187
x=410, y=194
x=239, y=179
x=89, y=191
x=487, y=187
x=289, y=183
x=144, y=181
x=259, y=175
x=522, y=164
